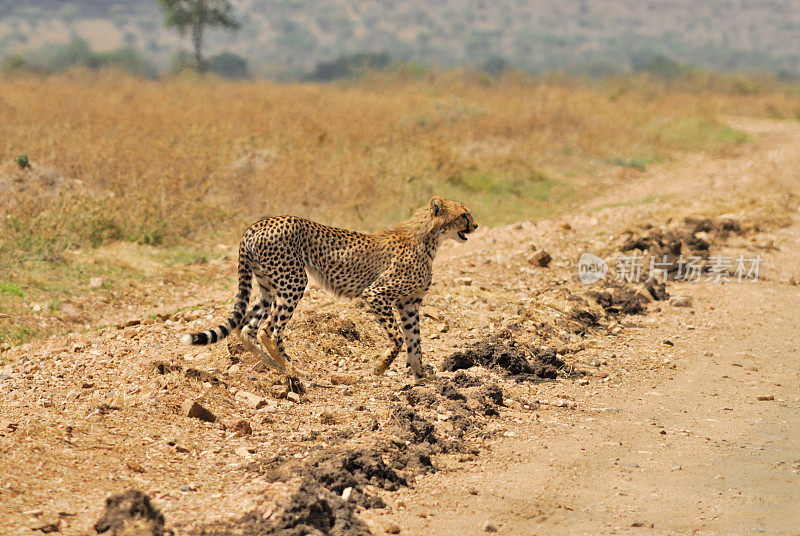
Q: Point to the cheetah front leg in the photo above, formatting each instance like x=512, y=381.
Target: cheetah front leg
x=381, y=307
x=409, y=320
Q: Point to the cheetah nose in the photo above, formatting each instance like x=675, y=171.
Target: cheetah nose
x=474, y=225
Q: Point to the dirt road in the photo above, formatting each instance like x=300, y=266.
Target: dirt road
x=676, y=439
x=682, y=449
x=681, y=420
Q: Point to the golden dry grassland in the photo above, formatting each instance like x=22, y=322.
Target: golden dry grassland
x=181, y=164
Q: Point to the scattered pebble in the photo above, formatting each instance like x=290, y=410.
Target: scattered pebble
x=134, y=466
x=541, y=258
x=489, y=526
x=765, y=397
x=192, y=408
x=681, y=301
x=250, y=398
x=391, y=528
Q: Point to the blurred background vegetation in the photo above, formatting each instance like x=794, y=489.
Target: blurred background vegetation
x=118, y=158
x=324, y=39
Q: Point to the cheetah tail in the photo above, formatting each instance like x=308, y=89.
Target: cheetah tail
x=236, y=319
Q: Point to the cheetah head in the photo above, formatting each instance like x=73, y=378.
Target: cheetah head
x=453, y=218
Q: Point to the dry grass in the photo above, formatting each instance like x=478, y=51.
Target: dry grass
x=191, y=161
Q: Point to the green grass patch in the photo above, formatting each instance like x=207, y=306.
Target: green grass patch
x=7, y=287
x=499, y=197
x=640, y=163
x=697, y=134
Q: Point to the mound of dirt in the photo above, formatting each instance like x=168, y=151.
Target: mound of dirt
x=311, y=511
x=337, y=469
x=693, y=237
x=412, y=425
x=619, y=299
x=131, y=514
x=316, y=511
x=336, y=479
x=508, y=356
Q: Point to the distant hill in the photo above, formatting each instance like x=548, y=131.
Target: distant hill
x=291, y=37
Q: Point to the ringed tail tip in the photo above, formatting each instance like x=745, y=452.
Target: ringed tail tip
x=187, y=339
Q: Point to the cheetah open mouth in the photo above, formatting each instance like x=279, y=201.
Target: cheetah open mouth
x=462, y=235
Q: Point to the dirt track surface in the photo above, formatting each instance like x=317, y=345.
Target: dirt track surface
x=638, y=435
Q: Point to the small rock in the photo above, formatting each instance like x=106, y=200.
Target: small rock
x=668, y=342
x=681, y=301
x=250, y=398
x=343, y=379
x=541, y=258
x=392, y=528
x=8, y=426
x=765, y=397
x=293, y=397
x=583, y=381
x=192, y=408
x=346, y=492
x=128, y=323
x=96, y=282
x=489, y=526
x=326, y=417
x=134, y=466
x=181, y=448
x=709, y=353
x=47, y=526
x=466, y=281
x=643, y=293
x=242, y=427
x=243, y=452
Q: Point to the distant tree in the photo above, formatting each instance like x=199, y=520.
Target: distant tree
x=193, y=16
x=494, y=66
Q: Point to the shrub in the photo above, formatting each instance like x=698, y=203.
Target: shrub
x=228, y=65
x=349, y=66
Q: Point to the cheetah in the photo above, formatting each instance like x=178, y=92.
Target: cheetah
x=390, y=269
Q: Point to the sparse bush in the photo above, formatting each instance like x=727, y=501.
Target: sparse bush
x=228, y=65
x=14, y=63
x=349, y=66
x=659, y=66
x=22, y=160
x=128, y=60
x=57, y=58
x=494, y=66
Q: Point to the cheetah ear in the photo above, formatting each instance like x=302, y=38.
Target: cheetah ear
x=436, y=205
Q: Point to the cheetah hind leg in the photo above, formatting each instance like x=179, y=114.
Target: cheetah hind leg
x=251, y=345
x=271, y=346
